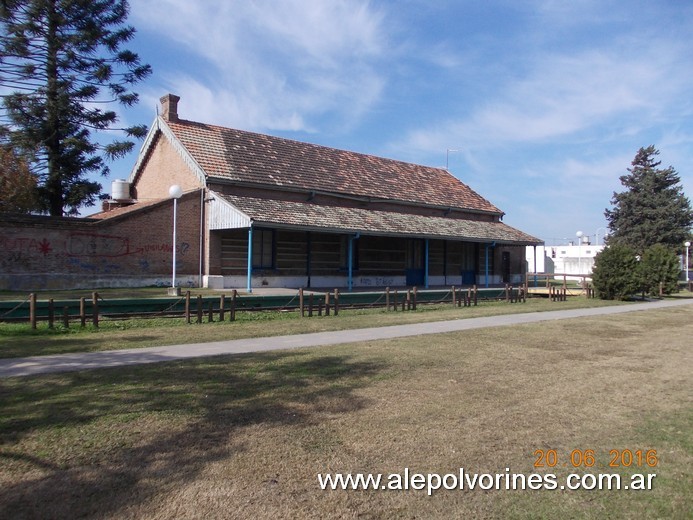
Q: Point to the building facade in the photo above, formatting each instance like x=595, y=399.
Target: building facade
x=262, y=211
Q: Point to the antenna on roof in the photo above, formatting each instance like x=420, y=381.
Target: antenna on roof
x=447, y=158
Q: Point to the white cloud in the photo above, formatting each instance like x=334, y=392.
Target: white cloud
x=270, y=65
x=564, y=96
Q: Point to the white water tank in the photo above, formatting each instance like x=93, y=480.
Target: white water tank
x=120, y=190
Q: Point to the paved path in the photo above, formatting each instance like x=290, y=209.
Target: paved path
x=116, y=358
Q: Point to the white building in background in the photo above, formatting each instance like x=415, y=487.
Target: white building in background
x=568, y=259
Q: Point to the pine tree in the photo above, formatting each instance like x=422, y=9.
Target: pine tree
x=615, y=273
x=60, y=62
x=659, y=268
x=653, y=209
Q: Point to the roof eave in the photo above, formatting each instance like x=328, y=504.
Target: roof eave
x=346, y=230
x=360, y=198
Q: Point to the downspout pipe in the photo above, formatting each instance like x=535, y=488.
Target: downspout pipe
x=249, y=285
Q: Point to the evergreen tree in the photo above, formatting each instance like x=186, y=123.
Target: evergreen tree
x=60, y=62
x=659, y=265
x=653, y=209
x=615, y=274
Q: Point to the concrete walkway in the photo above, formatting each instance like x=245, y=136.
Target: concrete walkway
x=118, y=358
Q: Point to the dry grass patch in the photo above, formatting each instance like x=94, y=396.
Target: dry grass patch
x=246, y=436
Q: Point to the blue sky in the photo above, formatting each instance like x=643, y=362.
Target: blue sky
x=545, y=102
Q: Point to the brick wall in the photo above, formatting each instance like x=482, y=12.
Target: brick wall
x=164, y=167
x=129, y=250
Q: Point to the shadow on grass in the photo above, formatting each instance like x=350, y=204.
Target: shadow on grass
x=45, y=345
x=123, y=436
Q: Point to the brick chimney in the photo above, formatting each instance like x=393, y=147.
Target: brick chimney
x=169, y=107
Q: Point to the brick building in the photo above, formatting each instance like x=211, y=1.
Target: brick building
x=261, y=211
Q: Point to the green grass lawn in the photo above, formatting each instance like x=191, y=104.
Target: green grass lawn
x=18, y=340
x=245, y=436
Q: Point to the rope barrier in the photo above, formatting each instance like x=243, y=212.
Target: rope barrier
x=12, y=310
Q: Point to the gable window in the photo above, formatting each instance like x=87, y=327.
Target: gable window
x=263, y=249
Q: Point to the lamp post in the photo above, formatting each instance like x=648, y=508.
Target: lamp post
x=579, y=237
x=687, y=244
x=175, y=193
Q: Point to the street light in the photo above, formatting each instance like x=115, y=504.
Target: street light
x=175, y=193
x=579, y=237
x=687, y=244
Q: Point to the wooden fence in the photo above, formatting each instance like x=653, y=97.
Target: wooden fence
x=225, y=307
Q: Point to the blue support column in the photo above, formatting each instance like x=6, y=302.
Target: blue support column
x=426, y=264
x=350, y=260
x=249, y=287
x=486, y=268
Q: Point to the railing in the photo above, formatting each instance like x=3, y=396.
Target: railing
x=220, y=308
x=556, y=285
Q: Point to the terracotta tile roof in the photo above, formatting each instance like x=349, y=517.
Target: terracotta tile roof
x=240, y=156
x=307, y=215
x=125, y=210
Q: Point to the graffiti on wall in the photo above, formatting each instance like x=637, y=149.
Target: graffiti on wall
x=89, y=244
x=88, y=252
x=25, y=245
x=375, y=281
x=93, y=245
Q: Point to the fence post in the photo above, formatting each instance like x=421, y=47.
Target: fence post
x=300, y=301
x=408, y=300
x=232, y=312
x=51, y=313
x=82, y=312
x=454, y=297
x=210, y=315
x=475, y=295
x=32, y=310
x=336, y=302
x=66, y=317
x=387, y=299
x=199, y=308
x=187, y=306
x=414, y=296
x=95, y=308
x=310, y=305
x=507, y=296
x=469, y=297
x=327, y=303
x=222, y=301
x=394, y=301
